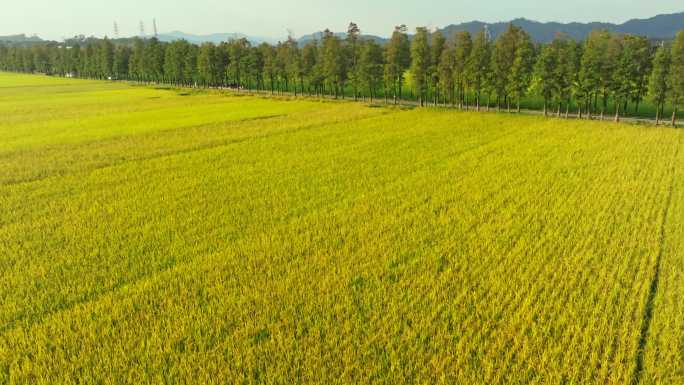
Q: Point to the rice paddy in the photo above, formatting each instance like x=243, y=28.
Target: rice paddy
x=165, y=236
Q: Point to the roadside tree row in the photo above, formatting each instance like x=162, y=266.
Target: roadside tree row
x=606, y=73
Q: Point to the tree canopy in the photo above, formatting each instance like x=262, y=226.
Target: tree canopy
x=605, y=72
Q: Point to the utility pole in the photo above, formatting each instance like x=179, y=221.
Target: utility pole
x=154, y=27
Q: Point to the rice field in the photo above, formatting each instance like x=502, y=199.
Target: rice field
x=163, y=236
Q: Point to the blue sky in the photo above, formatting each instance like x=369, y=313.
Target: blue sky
x=273, y=18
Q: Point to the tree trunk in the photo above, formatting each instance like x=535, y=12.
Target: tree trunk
x=518, y=102
x=674, y=117
x=604, y=106
x=617, y=112
x=588, y=108
x=546, y=112
x=657, y=114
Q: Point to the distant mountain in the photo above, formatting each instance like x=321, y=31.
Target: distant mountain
x=20, y=39
x=342, y=35
x=658, y=27
x=212, y=38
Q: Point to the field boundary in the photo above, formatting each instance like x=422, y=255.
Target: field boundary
x=402, y=102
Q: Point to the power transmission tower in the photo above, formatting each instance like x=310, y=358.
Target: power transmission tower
x=142, y=29
x=116, y=30
x=154, y=27
x=488, y=36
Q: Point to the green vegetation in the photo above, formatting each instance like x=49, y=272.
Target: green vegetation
x=153, y=235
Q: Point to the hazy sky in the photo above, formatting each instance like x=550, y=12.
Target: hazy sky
x=272, y=18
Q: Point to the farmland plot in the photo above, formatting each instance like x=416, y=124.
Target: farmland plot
x=160, y=236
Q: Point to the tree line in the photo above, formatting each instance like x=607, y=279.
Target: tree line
x=606, y=73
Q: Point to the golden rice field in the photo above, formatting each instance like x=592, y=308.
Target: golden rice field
x=156, y=236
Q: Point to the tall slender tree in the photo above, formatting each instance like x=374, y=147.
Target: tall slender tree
x=254, y=63
x=564, y=73
x=309, y=55
x=545, y=70
x=658, y=83
x=174, y=61
x=593, y=64
x=105, y=57
x=642, y=67
x=446, y=68
x=437, y=46
x=503, y=61
x=334, y=68
x=371, y=67
x=568, y=71
x=237, y=60
x=624, y=74
x=120, y=62
x=677, y=76
x=268, y=55
x=420, y=63
x=190, y=66
x=136, y=62
x=206, y=65
x=609, y=83
x=397, y=61
x=478, y=69
x=520, y=74
x=463, y=46
x=353, y=33
x=293, y=63
x=153, y=61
